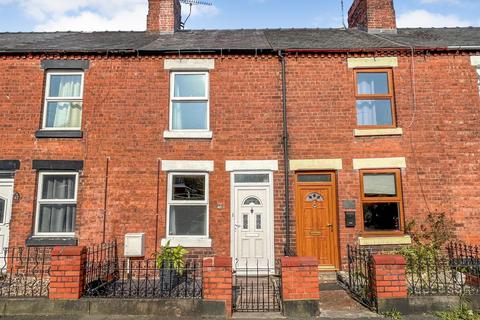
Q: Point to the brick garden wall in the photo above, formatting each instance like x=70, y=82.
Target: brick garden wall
x=126, y=111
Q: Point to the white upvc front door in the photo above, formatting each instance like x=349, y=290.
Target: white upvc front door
x=6, y=198
x=253, y=225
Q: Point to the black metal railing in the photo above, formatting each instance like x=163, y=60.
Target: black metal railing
x=107, y=276
x=101, y=267
x=360, y=275
x=465, y=256
x=25, y=272
x=257, y=287
x=454, y=273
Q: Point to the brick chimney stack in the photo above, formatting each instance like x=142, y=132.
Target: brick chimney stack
x=373, y=16
x=164, y=16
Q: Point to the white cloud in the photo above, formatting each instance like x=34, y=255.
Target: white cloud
x=94, y=15
x=426, y=19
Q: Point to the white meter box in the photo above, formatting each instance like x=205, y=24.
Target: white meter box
x=134, y=245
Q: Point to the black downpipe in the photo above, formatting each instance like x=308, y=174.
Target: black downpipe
x=288, y=250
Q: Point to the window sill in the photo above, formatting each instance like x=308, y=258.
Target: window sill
x=385, y=240
x=188, y=242
x=34, y=241
x=70, y=134
x=377, y=132
x=187, y=134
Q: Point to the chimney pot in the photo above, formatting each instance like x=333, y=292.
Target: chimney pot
x=374, y=16
x=164, y=16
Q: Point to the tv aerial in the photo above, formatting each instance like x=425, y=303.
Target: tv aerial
x=192, y=3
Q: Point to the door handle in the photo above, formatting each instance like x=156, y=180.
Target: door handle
x=330, y=226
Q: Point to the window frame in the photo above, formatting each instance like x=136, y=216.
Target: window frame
x=205, y=202
x=173, y=99
x=48, y=99
x=40, y=201
x=397, y=199
x=477, y=71
x=390, y=96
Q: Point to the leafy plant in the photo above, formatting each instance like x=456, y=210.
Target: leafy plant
x=393, y=314
x=428, y=239
x=171, y=257
x=435, y=231
x=460, y=312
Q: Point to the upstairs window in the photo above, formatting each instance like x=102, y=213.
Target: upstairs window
x=478, y=73
x=56, y=204
x=375, y=98
x=63, y=101
x=381, y=200
x=189, y=101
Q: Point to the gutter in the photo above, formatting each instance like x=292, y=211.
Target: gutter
x=286, y=160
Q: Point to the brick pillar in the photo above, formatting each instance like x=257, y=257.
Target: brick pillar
x=300, y=287
x=217, y=281
x=389, y=277
x=67, y=272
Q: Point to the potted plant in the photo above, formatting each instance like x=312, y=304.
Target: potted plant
x=171, y=262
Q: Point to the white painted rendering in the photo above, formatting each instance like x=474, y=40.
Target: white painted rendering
x=379, y=163
x=189, y=64
x=379, y=62
x=187, y=165
x=316, y=164
x=249, y=165
x=188, y=134
x=188, y=242
x=378, y=132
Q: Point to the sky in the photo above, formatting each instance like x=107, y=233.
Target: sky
x=112, y=15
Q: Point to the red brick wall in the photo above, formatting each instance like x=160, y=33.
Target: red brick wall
x=164, y=15
x=300, y=278
x=217, y=280
x=389, y=276
x=126, y=111
x=67, y=272
x=372, y=14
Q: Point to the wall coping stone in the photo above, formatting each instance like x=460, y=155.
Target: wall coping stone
x=68, y=251
x=386, y=259
x=217, y=262
x=299, y=261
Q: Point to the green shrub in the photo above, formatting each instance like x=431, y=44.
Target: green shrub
x=428, y=240
x=393, y=314
x=460, y=312
x=171, y=257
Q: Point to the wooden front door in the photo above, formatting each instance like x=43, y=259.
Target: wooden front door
x=316, y=214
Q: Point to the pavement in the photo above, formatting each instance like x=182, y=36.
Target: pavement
x=335, y=304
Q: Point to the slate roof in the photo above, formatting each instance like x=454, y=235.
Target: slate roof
x=262, y=40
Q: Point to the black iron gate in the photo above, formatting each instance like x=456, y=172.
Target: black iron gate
x=360, y=276
x=257, y=288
